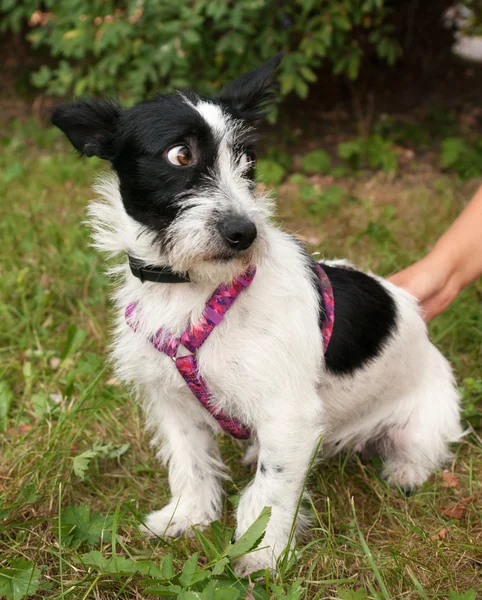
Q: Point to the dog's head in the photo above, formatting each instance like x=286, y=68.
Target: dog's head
x=186, y=167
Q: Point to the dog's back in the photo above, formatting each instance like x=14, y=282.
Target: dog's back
x=385, y=385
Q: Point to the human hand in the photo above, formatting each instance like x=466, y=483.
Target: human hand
x=432, y=282
x=454, y=262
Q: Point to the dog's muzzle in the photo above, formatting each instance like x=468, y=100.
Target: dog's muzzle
x=238, y=232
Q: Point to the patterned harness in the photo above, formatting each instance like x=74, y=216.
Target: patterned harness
x=196, y=334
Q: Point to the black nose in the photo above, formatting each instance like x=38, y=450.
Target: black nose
x=238, y=232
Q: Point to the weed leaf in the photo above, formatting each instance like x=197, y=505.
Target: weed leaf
x=190, y=580
x=208, y=547
x=219, y=567
x=221, y=536
x=6, y=396
x=82, y=462
x=112, y=451
x=470, y=595
x=80, y=526
x=252, y=537
x=292, y=593
x=190, y=566
x=19, y=580
x=190, y=573
x=359, y=594
x=164, y=591
x=225, y=593
x=119, y=565
x=168, y=566
x=189, y=596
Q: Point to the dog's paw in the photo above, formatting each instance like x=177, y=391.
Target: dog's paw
x=175, y=520
x=259, y=560
x=406, y=476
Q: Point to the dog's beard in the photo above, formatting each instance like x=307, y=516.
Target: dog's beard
x=193, y=244
x=215, y=264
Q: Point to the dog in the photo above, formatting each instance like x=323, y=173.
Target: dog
x=182, y=206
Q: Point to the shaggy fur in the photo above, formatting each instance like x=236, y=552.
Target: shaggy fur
x=382, y=383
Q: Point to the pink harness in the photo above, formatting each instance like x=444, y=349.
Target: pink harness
x=195, y=336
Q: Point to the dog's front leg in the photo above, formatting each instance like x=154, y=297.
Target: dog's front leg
x=287, y=443
x=186, y=443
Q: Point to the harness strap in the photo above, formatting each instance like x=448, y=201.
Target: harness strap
x=187, y=367
x=196, y=334
x=216, y=307
x=329, y=302
x=193, y=338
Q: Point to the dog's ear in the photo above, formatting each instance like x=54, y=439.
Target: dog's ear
x=90, y=125
x=251, y=95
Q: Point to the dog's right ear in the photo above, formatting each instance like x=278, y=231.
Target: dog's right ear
x=90, y=125
x=250, y=96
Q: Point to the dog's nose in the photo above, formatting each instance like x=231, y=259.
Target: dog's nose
x=238, y=232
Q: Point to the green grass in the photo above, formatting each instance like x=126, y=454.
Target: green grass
x=76, y=469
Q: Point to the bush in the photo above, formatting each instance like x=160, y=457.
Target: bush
x=269, y=172
x=317, y=161
x=462, y=157
x=373, y=152
x=136, y=47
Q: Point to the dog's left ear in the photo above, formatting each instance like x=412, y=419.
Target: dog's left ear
x=250, y=96
x=90, y=125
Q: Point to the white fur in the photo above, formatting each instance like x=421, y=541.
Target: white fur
x=264, y=365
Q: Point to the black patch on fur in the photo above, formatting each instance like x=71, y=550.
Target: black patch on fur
x=262, y=468
x=250, y=96
x=149, y=184
x=90, y=125
x=134, y=141
x=365, y=318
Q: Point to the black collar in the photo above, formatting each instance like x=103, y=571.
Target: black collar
x=156, y=274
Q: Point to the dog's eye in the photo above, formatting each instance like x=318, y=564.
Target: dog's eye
x=247, y=163
x=247, y=160
x=180, y=156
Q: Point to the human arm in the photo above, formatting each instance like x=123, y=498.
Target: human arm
x=453, y=263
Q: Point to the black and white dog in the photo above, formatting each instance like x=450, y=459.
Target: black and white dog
x=184, y=207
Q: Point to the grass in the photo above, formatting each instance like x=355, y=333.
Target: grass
x=76, y=469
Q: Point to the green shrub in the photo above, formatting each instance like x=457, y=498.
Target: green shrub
x=269, y=172
x=461, y=156
x=473, y=25
x=374, y=152
x=318, y=161
x=323, y=202
x=406, y=133
x=279, y=155
x=378, y=232
x=134, y=48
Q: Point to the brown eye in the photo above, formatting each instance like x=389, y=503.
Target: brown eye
x=180, y=156
x=248, y=160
